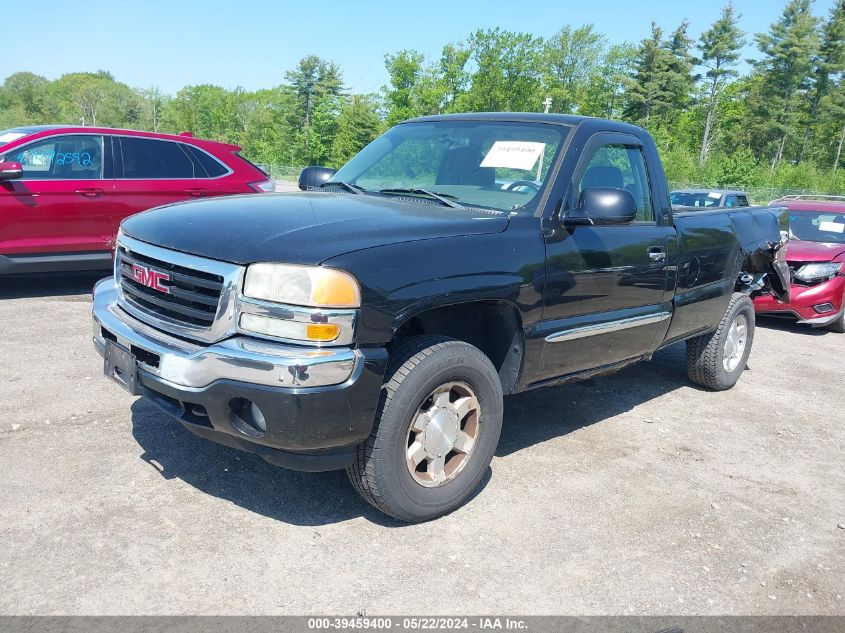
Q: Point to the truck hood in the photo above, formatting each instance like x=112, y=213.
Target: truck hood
x=800, y=251
x=301, y=228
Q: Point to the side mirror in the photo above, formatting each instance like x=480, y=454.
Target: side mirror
x=603, y=205
x=10, y=171
x=313, y=177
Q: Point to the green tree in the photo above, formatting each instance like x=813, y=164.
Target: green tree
x=153, y=101
x=720, y=47
x=570, y=63
x=604, y=93
x=405, y=69
x=357, y=125
x=206, y=110
x=507, y=73
x=828, y=64
x=417, y=89
x=26, y=91
x=646, y=90
x=788, y=49
x=452, y=74
x=833, y=108
x=317, y=84
x=680, y=80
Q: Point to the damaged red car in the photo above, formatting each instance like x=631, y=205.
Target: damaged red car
x=816, y=258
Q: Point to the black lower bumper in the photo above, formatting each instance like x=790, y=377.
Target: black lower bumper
x=311, y=429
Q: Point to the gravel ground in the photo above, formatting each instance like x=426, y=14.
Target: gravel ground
x=632, y=494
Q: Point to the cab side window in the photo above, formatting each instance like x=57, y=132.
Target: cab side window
x=70, y=157
x=619, y=167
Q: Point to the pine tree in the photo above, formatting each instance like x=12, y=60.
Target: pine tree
x=644, y=91
x=829, y=62
x=720, y=47
x=662, y=81
x=317, y=84
x=788, y=49
x=357, y=125
x=833, y=108
x=680, y=81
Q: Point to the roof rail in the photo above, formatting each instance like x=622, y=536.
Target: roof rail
x=813, y=196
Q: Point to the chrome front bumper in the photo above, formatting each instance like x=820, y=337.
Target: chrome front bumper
x=192, y=366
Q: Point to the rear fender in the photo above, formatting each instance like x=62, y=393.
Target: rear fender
x=763, y=238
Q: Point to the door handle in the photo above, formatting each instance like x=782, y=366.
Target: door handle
x=657, y=254
x=196, y=192
x=91, y=192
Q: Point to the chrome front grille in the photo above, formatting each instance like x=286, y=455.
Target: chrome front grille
x=182, y=294
x=192, y=296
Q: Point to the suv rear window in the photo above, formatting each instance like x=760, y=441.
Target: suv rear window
x=210, y=165
x=152, y=158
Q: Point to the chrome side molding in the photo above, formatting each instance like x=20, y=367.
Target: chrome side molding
x=606, y=328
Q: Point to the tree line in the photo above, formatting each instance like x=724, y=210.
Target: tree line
x=778, y=120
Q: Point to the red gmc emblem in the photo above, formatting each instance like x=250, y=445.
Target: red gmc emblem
x=150, y=278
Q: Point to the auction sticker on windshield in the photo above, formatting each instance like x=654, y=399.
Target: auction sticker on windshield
x=513, y=154
x=833, y=227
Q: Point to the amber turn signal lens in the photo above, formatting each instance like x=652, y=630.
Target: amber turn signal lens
x=323, y=332
x=335, y=288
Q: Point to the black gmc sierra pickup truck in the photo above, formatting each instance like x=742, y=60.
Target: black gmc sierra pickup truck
x=374, y=321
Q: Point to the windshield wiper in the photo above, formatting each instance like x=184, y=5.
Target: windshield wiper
x=442, y=198
x=345, y=185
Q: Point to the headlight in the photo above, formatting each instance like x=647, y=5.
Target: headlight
x=308, y=304
x=312, y=286
x=817, y=272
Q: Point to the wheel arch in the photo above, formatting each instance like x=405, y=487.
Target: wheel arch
x=493, y=326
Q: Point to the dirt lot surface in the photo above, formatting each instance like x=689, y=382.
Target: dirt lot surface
x=636, y=493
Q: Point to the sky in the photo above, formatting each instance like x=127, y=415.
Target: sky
x=252, y=43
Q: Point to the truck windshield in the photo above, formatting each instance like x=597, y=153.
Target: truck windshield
x=815, y=226
x=496, y=165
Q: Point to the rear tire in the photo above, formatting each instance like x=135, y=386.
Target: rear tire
x=435, y=432
x=716, y=360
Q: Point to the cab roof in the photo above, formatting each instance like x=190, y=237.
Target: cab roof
x=569, y=120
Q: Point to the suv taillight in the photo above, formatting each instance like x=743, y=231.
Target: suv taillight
x=263, y=186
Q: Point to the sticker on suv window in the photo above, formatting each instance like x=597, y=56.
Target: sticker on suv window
x=513, y=154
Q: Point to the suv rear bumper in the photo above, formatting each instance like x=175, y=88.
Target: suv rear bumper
x=804, y=301
x=295, y=406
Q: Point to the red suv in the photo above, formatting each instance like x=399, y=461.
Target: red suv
x=816, y=257
x=65, y=190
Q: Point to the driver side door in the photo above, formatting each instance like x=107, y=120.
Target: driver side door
x=606, y=295
x=61, y=204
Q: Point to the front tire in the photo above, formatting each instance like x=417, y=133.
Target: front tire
x=839, y=324
x=716, y=360
x=435, y=432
